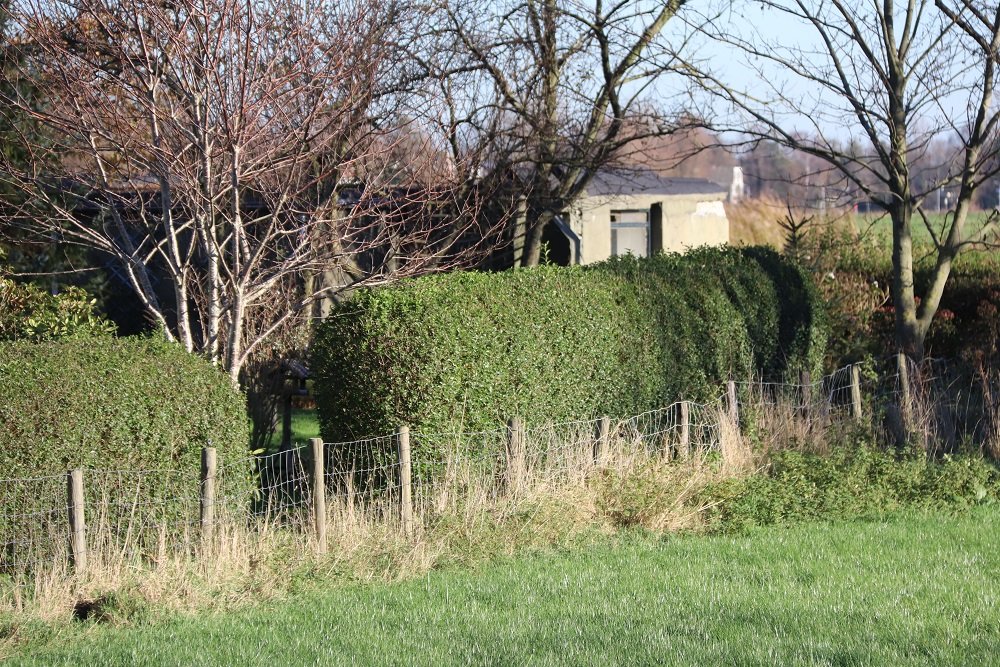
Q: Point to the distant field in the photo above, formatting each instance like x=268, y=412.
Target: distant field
x=756, y=222
x=915, y=591
x=879, y=227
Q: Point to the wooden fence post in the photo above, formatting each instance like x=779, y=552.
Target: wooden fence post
x=685, y=446
x=77, y=520
x=319, y=493
x=208, y=470
x=601, y=446
x=805, y=391
x=405, y=481
x=733, y=405
x=856, y=391
x=515, y=455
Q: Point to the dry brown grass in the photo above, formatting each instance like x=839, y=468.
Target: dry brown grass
x=472, y=512
x=757, y=221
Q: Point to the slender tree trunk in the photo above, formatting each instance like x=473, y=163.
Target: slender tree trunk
x=533, y=240
x=909, y=333
x=234, y=355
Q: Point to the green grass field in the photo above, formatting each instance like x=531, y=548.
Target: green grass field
x=918, y=590
x=879, y=227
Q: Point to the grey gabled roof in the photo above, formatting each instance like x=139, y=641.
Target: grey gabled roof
x=642, y=181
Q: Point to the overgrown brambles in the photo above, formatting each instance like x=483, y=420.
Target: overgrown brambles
x=468, y=350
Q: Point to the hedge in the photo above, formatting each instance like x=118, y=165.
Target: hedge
x=467, y=350
x=127, y=404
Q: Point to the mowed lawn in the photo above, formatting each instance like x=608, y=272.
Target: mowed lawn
x=918, y=590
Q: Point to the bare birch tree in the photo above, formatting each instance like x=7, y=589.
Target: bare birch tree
x=228, y=155
x=545, y=93
x=897, y=77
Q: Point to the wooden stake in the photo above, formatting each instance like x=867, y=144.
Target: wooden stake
x=603, y=435
x=319, y=494
x=515, y=455
x=856, y=391
x=77, y=520
x=684, y=450
x=405, y=481
x=805, y=388
x=208, y=471
x=733, y=405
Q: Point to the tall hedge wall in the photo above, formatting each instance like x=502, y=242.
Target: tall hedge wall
x=555, y=343
x=121, y=403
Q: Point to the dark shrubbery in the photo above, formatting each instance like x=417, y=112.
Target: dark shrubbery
x=468, y=350
x=100, y=402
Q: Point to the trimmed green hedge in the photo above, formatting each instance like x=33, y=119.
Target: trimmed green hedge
x=121, y=403
x=468, y=350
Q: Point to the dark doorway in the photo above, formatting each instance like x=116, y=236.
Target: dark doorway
x=556, y=245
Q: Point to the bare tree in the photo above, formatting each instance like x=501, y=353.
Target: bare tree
x=232, y=157
x=545, y=93
x=902, y=75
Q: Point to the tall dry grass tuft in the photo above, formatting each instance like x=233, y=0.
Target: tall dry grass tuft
x=988, y=382
x=736, y=455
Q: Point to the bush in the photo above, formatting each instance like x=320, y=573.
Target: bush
x=28, y=312
x=128, y=404
x=468, y=350
x=854, y=482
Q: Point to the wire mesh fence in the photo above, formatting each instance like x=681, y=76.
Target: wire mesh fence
x=146, y=516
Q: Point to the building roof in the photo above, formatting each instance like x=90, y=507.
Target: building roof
x=641, y=181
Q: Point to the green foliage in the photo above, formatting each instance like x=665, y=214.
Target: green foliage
x=855, y=279
x=100, y=402
x=468, y=350
x=28, y=312
x=854, y=482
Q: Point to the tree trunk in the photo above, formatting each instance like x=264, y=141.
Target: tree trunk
x=262, y=381
x=533, y=238
x=909, y=333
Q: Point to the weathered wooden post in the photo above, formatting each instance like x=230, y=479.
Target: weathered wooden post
x=805, y=391
x=319, y=493
x=601, y=445
x=286, y=416
x=77, y=520
x=515, y=455
x=856, y=391
x=208, y=472
x=405, y=480
x=684, y=450
x=732, y=404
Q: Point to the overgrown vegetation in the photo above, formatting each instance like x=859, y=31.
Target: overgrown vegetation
x=860, y=481
x=851, y=256
x=467, y=351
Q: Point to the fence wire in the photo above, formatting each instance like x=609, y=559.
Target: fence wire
x=149, y=515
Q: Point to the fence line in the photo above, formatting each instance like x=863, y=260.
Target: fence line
x=406, y=477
